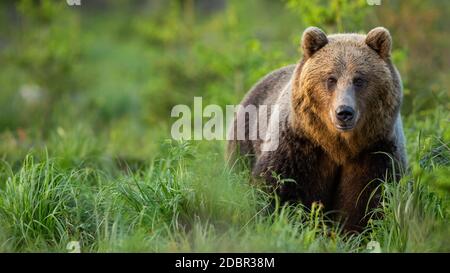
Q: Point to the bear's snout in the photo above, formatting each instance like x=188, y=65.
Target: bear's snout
x=345, y=117
x=345, y=113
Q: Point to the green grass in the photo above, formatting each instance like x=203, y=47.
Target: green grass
x=91, y=160
x=187, y=200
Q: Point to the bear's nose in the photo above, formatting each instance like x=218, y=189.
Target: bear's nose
x=345, y=113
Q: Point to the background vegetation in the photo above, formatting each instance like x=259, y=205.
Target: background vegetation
x=85, y=99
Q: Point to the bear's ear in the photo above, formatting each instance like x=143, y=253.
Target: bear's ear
x=313, y=39
x=379, y=39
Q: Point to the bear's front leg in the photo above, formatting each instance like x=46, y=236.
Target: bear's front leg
x=300, y=173
x=358, y=191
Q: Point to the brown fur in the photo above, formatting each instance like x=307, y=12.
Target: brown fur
x=346, y=55
x=339, y=169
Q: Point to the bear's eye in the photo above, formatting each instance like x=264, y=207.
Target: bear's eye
x=331, y=82
x=359, y=82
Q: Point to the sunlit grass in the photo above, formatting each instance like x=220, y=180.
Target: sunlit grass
x=186, y=199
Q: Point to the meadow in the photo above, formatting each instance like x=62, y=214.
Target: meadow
x=85, y=148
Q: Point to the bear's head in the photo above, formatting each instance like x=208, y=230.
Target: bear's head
x=346, y=92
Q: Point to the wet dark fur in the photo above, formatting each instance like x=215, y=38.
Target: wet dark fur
x=318, y=178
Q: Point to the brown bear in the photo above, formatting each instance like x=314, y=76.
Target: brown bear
x=338, y=125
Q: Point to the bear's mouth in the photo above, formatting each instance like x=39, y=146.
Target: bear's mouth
x=345, y=128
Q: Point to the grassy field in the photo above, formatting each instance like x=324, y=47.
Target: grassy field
x=85, y=148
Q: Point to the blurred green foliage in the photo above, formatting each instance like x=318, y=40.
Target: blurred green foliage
x=333, y=16
x=95, y=67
